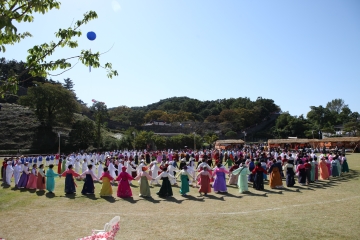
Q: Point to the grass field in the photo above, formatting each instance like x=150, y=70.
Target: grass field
x=324, y=210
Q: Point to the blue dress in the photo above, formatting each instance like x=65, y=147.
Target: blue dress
x=69, y=184
x=88, y=187
x=50, y=181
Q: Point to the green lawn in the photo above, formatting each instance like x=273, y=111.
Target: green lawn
x=325, y=210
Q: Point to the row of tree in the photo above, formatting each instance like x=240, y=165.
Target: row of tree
x=318, y=120
x=240, y=113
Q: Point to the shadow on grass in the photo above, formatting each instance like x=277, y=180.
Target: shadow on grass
x=174, y=200
x=70, y=195
x=288, y=189
x=90, y=196
x=273, y=192
x=227, y=194
x=5, y=185
x=109, y=199
x=213, y=197
x=133, y=186
x=306, y=187
x=50, y=195
x=130, y=200
x=40, y=192
x=248, y=193
x=32, y=190
x=193, y=198
x=150, y=199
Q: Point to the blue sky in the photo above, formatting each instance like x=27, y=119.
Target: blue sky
x=298, y=53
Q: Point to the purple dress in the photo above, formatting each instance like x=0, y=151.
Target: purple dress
x=219, y=184
x=23, y=180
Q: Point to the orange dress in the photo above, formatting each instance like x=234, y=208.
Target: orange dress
x=324, y=172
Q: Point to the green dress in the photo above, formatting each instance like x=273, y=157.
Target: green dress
x=144, y=187
x=229, y=162
x=63, y=165
x=242, y=179
x=50, y=181
x=184, y=184
x=312, y=171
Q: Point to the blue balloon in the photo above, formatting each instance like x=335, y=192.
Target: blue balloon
x=91, y=36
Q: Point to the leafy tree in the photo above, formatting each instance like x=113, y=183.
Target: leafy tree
x=82, y=134
x=159, y=141
x=336, y=105
x=154, y=115
x=353, y=127
x=100, y=114
x=68, y=84
x=37, y=63
x=287, y=125
x=211, y=138
x=230, y=134
x=51, y=103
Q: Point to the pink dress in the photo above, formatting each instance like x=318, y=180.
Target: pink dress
x=124, y=190
x=32, y=182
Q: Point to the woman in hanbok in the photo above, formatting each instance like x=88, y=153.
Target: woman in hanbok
x=50, y=178
x=316, y=169
x=301, y=172
x=205, y=179
x=345, y=166
x=233, y=179
x=124, y=190
x=41, y=181
x=24, y=176
x=69, y=174
x=324, y=172
x=17, y=171
x=251, y=168
x=100, y=170
x=154, y=172
x=312, y=171
x=328, y=165
x=9, y=172
x=165, y=189
x=334, y=170
x=242, y=172
x=290, y=173
x=258, y=183
x=106, y=188
x=31, y=184
x=59, y=165
x=77, y=165
x=112, y=169
x=143, y=176
x=219, y=184
x=184, y=189
x=263, y=165
x=338, y=164
x=89, y=175
x=63, y=166
x=275, y=176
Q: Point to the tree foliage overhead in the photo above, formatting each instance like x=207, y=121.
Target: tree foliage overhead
x=37, y=63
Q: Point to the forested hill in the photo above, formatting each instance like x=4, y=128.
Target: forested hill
x=240, y=112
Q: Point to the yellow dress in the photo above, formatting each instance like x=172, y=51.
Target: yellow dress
x=106, y=188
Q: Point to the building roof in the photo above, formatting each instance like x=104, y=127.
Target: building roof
x=340, y=139
x=288, y=140
x=305, y=140
x=229, y=141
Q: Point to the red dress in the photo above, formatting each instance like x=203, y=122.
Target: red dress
x=205, y=182
x=124, y=190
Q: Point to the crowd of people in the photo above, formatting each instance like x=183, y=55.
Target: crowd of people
x=206, y=170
